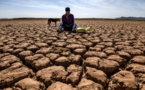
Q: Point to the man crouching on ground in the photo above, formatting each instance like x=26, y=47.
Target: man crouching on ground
x=67, y=21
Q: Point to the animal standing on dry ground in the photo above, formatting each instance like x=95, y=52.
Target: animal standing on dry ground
x=52, y=20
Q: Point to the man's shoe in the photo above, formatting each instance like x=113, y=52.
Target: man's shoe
x=59, y=30
x=74, y=30
x=62, y=29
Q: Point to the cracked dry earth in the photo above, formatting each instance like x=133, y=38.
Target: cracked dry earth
x=34, y=56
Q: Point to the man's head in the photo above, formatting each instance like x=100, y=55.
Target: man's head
x=67, y=9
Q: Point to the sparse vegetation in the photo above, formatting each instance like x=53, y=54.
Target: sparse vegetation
x=41, y=38
x=89, y=40
x=69, y=54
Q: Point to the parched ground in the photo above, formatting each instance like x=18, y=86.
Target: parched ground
x=34, y=56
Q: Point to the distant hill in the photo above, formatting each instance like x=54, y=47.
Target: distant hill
x=132, y=18
x=25, y=18
x=119, y=18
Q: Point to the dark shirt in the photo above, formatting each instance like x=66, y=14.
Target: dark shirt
x=68, y=21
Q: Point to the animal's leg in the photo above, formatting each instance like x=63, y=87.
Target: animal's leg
x=55, y=24
x=49, y=23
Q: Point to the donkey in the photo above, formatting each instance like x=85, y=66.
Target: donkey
x=53, y=20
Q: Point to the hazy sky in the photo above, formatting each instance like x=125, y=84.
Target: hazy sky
x=80, y=8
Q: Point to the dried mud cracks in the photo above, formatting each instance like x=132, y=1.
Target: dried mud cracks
x=34, y=56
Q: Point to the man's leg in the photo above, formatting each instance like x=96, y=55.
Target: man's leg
x=61, y=26
x=74, y=27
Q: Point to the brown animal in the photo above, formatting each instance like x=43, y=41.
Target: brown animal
x=53, y=20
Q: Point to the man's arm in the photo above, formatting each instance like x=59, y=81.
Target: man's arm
x=63, y=19
x=72, y=18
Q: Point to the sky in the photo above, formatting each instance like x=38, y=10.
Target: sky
x=79, y=8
